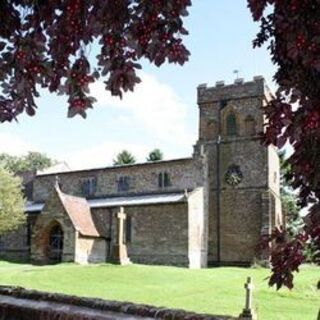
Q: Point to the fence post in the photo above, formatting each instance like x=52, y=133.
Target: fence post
x=248, y=313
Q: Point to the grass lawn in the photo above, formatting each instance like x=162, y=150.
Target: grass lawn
x=216, y=291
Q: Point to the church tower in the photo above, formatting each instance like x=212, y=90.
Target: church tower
x=243, y=179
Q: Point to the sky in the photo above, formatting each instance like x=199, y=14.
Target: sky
x=162, y=112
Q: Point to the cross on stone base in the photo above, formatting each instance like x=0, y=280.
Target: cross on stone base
x=248, y=313
x=120, y=254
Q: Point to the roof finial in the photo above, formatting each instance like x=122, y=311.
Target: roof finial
x=57, y=183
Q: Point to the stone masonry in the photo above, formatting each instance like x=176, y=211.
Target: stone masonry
x=209, y=209
x=252, y=207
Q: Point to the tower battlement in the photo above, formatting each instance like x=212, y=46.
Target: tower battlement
x=237, y=90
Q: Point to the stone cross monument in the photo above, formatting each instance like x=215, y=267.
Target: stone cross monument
x=120, y=254
x=248, y=313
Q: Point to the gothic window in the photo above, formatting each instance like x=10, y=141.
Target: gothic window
x=164, y=180
x=123, y=184
x=89, y=186
x=250, y=126
x=231, y=124
x=56, y=244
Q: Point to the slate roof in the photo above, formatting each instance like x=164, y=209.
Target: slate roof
x=136, y=200
x=110, y=202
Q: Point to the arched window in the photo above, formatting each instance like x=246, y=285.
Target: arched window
x=55, y=244
x=231, y=125
x=164, y=180
x=250, y=126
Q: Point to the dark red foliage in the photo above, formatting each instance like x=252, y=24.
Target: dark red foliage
x=292, y=30
x=44, y=44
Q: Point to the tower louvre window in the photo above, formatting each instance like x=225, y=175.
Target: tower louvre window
x=231, y=125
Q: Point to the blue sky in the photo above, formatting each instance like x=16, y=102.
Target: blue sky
x=162, y=112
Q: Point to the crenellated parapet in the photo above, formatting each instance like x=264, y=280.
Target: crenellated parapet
x=238, y=90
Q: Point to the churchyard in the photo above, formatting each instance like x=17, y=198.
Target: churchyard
x=215, y=291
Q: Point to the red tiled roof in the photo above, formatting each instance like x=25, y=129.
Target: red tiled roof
x=79, y=212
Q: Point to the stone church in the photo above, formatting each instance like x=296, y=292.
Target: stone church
x=209, y=209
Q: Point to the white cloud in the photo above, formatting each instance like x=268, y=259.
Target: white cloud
x=14, y=145
x=103, y=154
x=154, y=107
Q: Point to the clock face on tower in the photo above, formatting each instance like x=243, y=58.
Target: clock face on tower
x=233, y=175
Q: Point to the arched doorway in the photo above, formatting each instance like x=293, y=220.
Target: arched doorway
x=55, y=244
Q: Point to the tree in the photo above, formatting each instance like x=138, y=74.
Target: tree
x=292, y=30
x=289, y=199
x=11, y=202
x=124, y=157
x=44, y=43
x=155, y=155
x=31, y=162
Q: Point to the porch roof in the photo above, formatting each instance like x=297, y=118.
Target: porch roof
x=79, y=212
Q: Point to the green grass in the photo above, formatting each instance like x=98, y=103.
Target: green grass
x=216, y=291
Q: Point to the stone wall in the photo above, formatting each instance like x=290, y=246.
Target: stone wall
x=266, y=213
x=242, y=100
x=238, y=90
x=53, y=213
x=274, y=184
x=90, y=250
x=240, y=226
x=143, y=178
x=240, y=205
x=159, y=234
x=249, y=155
x=252, y=206
x=279, y=219
x=274, y=170
x=14, y=245
x=197, y=223
x=105, y=221
x=18, y=303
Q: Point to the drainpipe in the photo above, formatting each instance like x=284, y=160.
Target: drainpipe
x=222, y=105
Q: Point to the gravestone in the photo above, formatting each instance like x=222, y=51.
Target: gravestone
x=120, y=253
x=248, y=313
